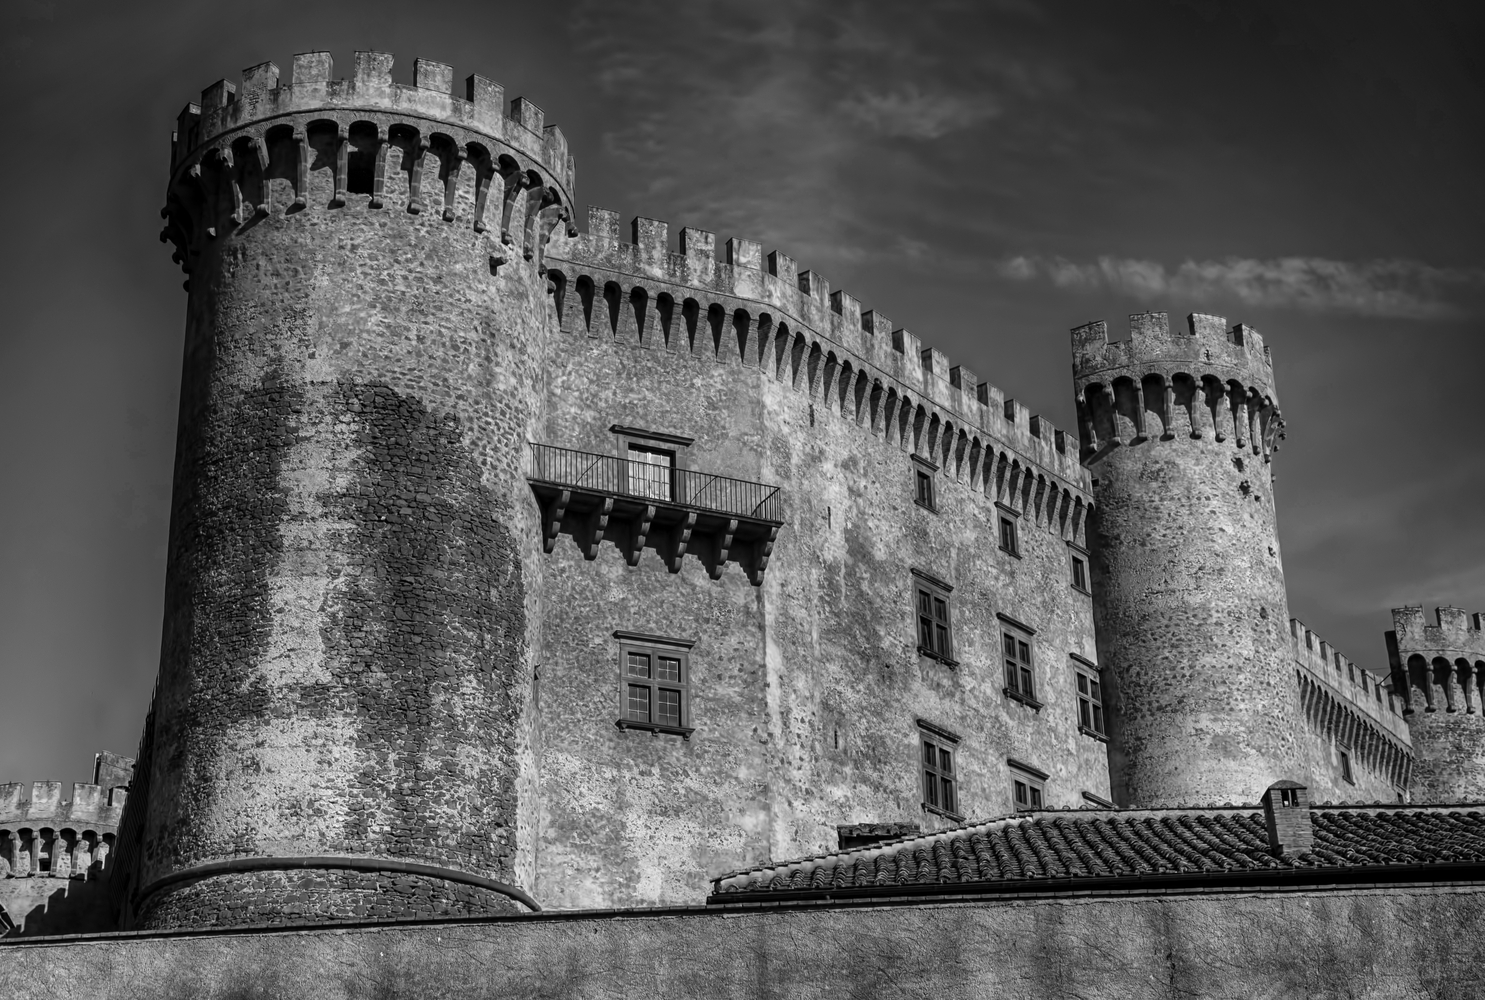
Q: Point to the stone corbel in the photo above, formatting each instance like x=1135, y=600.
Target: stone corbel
x=301, y=174
x=553, y=520
x=342, y=165
x=597, y=525
x=415, y=176
x=682, y=540
x=641, y=532
x=451, y=182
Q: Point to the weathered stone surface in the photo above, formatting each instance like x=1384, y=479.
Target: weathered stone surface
x=350, y=601
x=1356, y=945
x=1439, y=670
x=1188, y=582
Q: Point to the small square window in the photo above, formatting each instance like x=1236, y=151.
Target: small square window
x=1020, y=670
x=1090, y=701
x=940, y=778
x=1008, y=536
x=654, y=689
x=923, y=489
x=1028, y=791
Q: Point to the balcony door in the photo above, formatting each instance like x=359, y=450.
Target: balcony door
x=651, y=473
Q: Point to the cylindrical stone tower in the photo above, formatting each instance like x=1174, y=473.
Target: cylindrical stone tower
x=339, y=727
x=1439, y=672
x=1189, y=607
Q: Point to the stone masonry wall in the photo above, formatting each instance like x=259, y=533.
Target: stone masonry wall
x=1324, y=946
x=1440, y=671
x=807, y=688
x=348, y=610
x=1190, y=605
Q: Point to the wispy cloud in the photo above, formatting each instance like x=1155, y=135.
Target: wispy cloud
x=1400, y=289
x=906, y=113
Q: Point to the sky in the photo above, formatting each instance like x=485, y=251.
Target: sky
x=988, y=174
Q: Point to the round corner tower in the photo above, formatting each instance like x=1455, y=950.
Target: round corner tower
x=340, y=726
x=1177, y=428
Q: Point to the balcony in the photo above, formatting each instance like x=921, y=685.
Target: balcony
x=638, y=505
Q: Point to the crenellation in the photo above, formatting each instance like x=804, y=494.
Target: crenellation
x=487, y=96
x=526, y=114
x=435, y=76
x=745, y=253
x=783, y=267
x=814, y=285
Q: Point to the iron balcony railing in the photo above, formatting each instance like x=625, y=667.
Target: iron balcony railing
x=661, y=483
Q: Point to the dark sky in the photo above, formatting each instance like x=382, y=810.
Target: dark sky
x=987, y=174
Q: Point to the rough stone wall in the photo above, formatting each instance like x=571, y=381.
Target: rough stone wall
x=1177, y=428
x=1346, y=710
x=1440, y=671
x=348, y=606
x=1358, y=945
x=806, y=688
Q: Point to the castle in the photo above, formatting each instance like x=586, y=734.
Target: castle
x=518, y=568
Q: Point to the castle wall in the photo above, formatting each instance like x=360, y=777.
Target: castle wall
x=1188, y=581
x=807, y=688
x=1439, y=670
x=348, y=610
x=1238, y=945
x=1347, y=711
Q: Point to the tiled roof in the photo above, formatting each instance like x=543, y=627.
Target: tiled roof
x=1104, y=844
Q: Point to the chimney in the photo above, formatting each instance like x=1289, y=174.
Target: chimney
x=865, y=834
x=1286, y=812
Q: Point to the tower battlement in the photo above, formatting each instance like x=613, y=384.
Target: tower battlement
x=1209, y=381
x=1206, y=345
x=225, y=107
x=40, y=804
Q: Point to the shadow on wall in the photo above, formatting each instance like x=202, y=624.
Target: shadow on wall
x=31, y=906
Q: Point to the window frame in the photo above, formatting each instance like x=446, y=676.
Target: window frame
x=935, y=590
x=925, y=471
x=654, y=442
x=655, y=646
x=1023, y=636
x=1348, y=767
x=1098, y=713
x=1009, y=527
x=1035, y=781
x=1077, y=558
x=942, y=742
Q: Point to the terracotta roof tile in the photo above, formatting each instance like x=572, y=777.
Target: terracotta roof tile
x=1111, y=843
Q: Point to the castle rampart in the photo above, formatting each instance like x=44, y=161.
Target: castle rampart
x=1439, y=671
x=1188, y=582
x=1349, y=712
x=49, y=832
x=761, y=312
x=351, y=597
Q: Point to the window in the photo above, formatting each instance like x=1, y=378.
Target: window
x=1020, y=673
x=1079, y=573
x=1028, y=786
x=651, y=471
x=1008, y=536
x=1090, y=700
x=924, y=490
x=935, y=631
x=1378, y=688
x=1346, y=767
x=940, y=778
x=654, y=684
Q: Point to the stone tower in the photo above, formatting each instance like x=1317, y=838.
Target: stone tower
x=340, y=722
x=1439, y=671
x=1177, y=428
